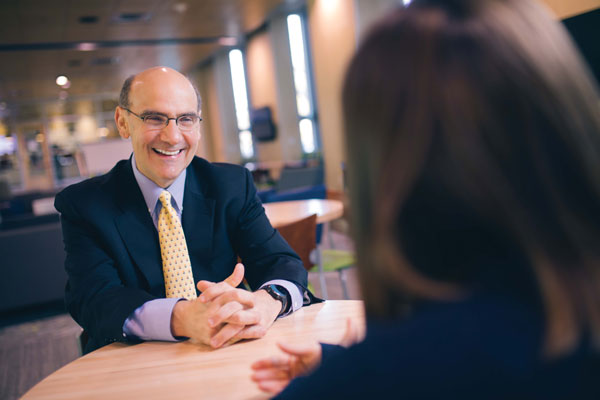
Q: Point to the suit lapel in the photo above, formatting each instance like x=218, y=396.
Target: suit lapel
x=197, y=220
x=137, y=230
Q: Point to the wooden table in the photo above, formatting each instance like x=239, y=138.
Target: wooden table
x=285, y=212
x=166, y=370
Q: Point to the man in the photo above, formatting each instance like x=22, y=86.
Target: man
x=118, y=230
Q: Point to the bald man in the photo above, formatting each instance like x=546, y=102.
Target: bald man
x=113, y=226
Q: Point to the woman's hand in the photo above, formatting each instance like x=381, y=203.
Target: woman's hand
x=273, y=374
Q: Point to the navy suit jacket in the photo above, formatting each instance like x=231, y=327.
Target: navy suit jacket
x=113, y=253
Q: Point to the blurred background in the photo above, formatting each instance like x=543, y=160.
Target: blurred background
x=269, y=72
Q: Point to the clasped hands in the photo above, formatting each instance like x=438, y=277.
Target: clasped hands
x=224, y=314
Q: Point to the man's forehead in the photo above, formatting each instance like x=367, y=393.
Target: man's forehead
x=162, y=83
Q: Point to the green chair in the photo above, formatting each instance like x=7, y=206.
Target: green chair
x=301, y=236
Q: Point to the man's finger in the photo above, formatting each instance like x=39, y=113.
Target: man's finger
x=252, y=332
x=203, y=285
x=210, y=290
x=243, y=317
x=241, y=296
x=221, y=294
x=222, y=313
x=237, y=276
x=226, y=333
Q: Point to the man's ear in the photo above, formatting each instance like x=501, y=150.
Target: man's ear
x=121, y=122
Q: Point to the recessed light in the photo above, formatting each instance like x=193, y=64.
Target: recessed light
x=61, y=80
x=180, y=7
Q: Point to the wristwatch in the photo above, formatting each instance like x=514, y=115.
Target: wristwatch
x=279, y=293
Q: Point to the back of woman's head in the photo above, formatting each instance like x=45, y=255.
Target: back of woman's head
x=472, y=131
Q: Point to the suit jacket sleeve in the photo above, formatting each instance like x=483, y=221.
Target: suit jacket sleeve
x=95, y=295
x=265, y=254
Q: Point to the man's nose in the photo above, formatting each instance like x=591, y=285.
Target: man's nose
x=171, y=133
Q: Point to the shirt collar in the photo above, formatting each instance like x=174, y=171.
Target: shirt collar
x=151, y=191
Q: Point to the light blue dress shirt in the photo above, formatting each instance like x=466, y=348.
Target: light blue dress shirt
x=152, y=320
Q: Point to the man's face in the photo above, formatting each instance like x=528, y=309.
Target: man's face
x=160, y=154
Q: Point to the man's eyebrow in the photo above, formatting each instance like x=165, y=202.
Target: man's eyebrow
x=154, y=112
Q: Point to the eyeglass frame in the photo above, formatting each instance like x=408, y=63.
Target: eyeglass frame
x=176, y=119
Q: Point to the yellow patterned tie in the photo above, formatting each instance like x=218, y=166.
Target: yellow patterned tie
x=177, y=269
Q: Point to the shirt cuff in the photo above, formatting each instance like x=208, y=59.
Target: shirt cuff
x=293, y=290
x=151, y=321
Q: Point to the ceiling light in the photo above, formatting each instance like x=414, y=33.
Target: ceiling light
x=180, y=7
x=61, y=80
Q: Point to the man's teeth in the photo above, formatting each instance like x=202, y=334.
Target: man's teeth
x=167, y=153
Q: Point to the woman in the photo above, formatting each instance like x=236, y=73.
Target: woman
x=474, y=164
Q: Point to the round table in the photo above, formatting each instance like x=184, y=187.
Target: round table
x=183, y=370
x=285, y=212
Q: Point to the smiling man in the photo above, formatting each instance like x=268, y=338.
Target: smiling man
x=143, y=240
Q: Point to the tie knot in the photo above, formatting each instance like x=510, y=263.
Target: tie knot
x=165, y=199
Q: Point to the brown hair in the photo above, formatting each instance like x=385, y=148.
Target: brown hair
x=468, y=122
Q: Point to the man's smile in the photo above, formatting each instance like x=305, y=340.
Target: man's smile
x=167, y=152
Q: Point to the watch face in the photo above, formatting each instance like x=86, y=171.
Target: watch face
x=277, y=294
x=275, y=291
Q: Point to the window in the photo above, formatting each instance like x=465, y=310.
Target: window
x=240, y=98
x=302, y=84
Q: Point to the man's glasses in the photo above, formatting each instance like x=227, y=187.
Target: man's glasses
x=159, y=121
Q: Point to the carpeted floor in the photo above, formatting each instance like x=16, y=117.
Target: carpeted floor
x=33, y=350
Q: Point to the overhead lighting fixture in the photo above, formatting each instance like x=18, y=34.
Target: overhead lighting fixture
x=87, y=46
x=62, y=80
x=180, y=7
